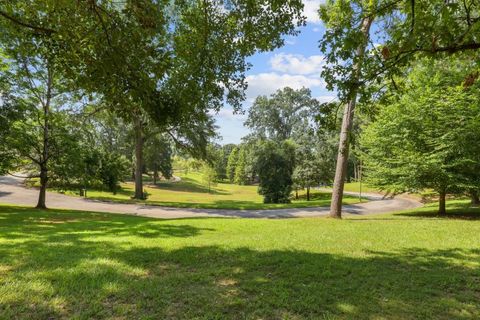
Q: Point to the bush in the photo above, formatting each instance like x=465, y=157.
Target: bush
x=275, y=163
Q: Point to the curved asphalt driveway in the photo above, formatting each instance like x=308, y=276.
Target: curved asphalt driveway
x=12, y=191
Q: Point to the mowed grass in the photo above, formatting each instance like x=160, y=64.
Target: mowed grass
x=356, y=186
x=80, y=265
x=191, y=192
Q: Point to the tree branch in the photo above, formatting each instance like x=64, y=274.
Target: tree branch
x=17, y=21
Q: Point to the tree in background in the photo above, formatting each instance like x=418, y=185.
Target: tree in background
x=423, y=137
x=10, y=112
x=275, y=164
x=171, y=61
x=286, y=114
x=209, y=176
x=221, y=160
x=112, y=170
x=241, y=177
x=158, y=156
x=232, y=164
x=314, y=164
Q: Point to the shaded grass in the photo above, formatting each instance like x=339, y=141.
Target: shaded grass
x=411, y=265
x=190, y=192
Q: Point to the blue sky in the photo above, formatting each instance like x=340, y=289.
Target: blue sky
x=296, y=64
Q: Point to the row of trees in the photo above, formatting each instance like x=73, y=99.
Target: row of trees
x=159, y=66
x=290, y=147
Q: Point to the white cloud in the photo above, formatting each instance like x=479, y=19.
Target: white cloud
x=311, y=10
x=268, y=83
x=297, y=63
x=228, y=114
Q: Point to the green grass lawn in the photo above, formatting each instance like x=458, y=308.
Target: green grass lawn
x=80, y=265
x=192, y=193
x=355, y=187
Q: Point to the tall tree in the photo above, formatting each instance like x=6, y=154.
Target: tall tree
x=286, y=114
x=347, y=37
x=35, y=83
x=422, y=138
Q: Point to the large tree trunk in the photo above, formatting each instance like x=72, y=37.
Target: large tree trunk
x=139, y=139
x=41, y=204
x=343, y=146
x=442, y=203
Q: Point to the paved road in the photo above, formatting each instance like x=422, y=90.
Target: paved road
x=12, y=191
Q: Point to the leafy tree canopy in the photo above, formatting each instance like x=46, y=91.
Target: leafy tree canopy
x=423, y=139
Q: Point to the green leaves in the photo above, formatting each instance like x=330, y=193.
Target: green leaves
x=424, y=138
x=275, y=163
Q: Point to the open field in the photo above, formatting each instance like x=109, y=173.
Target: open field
x=190, y=192
x=411, y=265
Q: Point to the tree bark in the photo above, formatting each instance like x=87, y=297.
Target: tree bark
x=343, y=146
x=308, y=193
x=139, y=139
x=42, y=196
x=442, y=203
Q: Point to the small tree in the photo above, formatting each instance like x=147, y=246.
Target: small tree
x=209, y=176
x=232, y=164
x=221, y=160
x=112, y=170
x=241, y=176
x=275, y=163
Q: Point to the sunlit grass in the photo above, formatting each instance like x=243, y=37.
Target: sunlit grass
x=191, y=192
x=80, y=265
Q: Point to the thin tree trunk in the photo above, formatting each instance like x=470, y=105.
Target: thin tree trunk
x=475, y=198
x=296, y=193
x=355, y=175
x=441, y=203
x=155, y=174
x=42, y=196
x=308, y=193
x=343, y=146
x=139, y=139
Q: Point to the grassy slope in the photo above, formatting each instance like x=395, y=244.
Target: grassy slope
x=191, y=192
x=63, y=265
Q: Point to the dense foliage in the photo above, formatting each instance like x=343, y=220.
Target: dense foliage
x=275, y=164
x=423, y=138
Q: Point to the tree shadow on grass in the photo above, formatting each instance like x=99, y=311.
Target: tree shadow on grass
x=17, y=223
x=460, y=211
x=65, y=271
